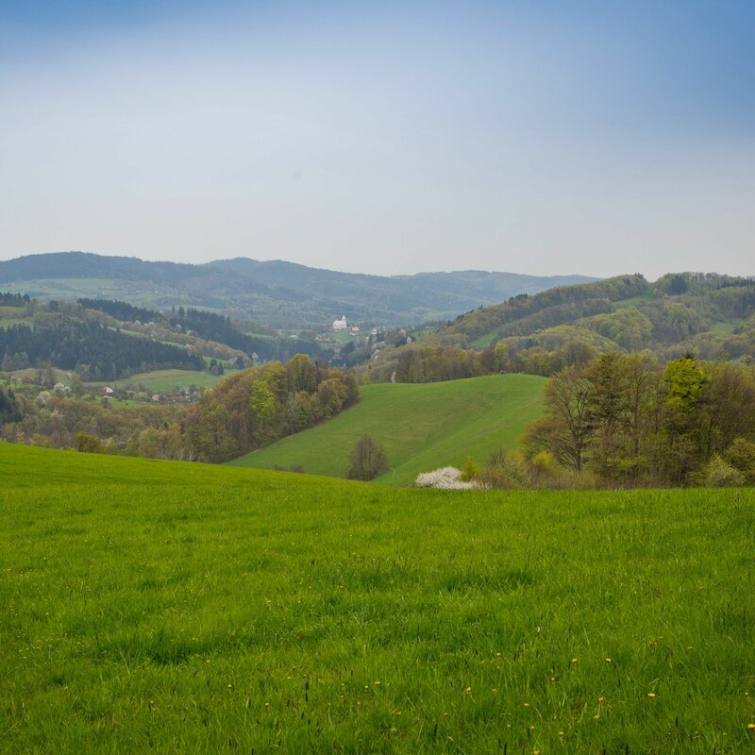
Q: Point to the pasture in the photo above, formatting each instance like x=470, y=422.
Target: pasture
x=9, y=322
x=169, y=607
x=165, y=381
x=421, y=426
x=159, y=381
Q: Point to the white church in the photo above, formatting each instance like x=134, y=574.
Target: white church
x=340, y=325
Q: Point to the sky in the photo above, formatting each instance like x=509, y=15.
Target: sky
x=531, y=136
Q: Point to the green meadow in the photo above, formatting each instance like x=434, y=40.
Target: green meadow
x=421, y=426
x=8, y=322
x=171, y=607
x=166, y=380
x=158, y=380
x=70, y=289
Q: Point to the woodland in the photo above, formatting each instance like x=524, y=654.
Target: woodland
x=626, y=421
x=649, y=384
x=249, y=409
x=709, y=315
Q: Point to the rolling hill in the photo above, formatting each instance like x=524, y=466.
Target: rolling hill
x=278, y=293
x=422, y=427
x=709, y=315
x=119, y=339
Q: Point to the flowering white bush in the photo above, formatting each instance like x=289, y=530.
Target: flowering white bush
x=446, y=478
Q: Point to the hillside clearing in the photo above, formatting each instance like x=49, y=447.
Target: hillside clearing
x=167, y=380
x=422, y=427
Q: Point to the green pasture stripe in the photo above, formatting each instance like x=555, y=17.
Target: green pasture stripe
x=422, y=427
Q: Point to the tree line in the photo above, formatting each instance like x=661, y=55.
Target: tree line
x=54, y=419
x=211, y=326
x=258, y=406
x=89, y=347
x=14, y=300
x=248, y=410
x=626, y=420
x=121, y=310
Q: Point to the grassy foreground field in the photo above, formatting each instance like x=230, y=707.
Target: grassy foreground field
x=422, y=427
x=167, y=607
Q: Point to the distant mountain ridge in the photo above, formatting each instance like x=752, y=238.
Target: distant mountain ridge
x=281, y=294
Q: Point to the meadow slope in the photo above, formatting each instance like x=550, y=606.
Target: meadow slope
x=169, y=607
x=422, y=426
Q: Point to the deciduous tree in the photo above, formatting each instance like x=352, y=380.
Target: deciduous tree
x=368, y=460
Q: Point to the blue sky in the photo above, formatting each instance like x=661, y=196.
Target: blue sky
x=526, y=136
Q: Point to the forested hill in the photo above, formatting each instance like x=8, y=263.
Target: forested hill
x=709, y=315
x=523, y=315
x=109, y=340
x=281, y=294
x=89, y=347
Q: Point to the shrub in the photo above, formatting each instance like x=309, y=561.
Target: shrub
x=504, y=471
x=368, y=460
x=469, y=471
x=445, y=478
x=741, y=456
x=544, y=464
x=545, y=472
x=88, y=444
x=719, y=474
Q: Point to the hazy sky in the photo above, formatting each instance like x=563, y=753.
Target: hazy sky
x=529, y=136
